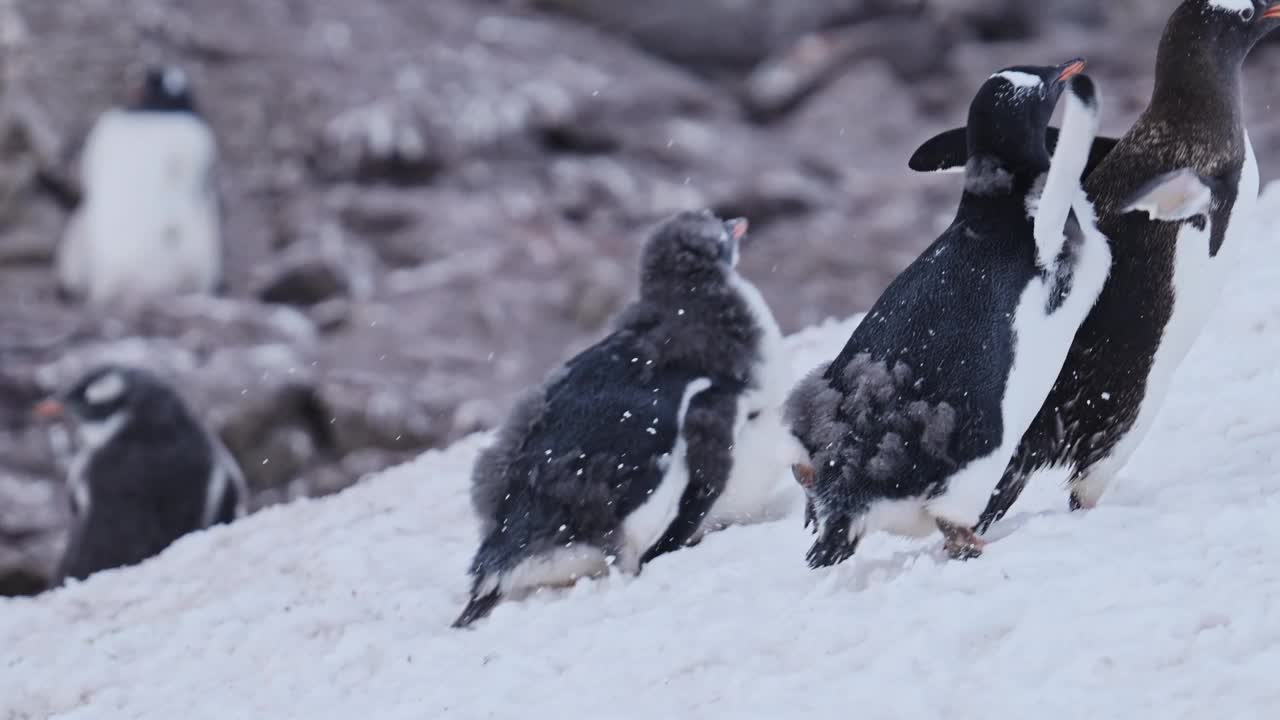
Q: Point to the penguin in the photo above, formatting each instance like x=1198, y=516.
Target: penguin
x=146, y=222
x=909, y=428
x=145, y=471
x=1172, y=254
x=618, y=457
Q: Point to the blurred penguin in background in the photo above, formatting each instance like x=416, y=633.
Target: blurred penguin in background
x=146, y=224
x=144, y=473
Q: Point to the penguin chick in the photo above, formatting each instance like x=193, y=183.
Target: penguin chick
x=910, y=426
x=621, y=453
x=148, y=224
x=145, y=471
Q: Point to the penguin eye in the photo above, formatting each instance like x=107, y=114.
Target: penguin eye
x=1246, y=14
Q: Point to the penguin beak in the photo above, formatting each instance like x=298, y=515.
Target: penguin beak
x=1272, y=12
x=1070, y=69
x=49, y=409
x=737, y=228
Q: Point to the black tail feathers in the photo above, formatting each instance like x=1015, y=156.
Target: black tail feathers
x=834, y=545
x=478, y=607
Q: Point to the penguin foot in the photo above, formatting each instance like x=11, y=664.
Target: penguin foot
x=961, y=543
x=1078, y=503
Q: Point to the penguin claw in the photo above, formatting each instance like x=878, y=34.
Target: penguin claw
x=961, y=543
x=1075, y=503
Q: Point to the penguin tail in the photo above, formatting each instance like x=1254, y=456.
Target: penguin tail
x=480, y=605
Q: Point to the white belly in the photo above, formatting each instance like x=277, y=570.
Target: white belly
x=1198, y=281
x=1041, y=343
x=149, y=223
x=760, y=486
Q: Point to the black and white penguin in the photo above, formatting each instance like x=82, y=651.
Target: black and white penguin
x=145, y=471
x=1172, y=256
x=621, y=453
x=148, y=221
x=909, y=428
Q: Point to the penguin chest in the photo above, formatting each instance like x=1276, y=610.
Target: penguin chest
x=1043, y=331
x=149, y=225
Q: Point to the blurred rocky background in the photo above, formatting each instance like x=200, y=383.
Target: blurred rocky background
x=431, y=202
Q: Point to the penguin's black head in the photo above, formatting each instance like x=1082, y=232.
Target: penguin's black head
x=1008, y=118
x=1229, y=28
x=164, y=89
x=691, y=246
x=105, y=394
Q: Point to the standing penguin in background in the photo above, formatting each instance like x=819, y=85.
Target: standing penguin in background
x=618, y=457
x=909, y=428
x=1173, y=251
x=146, y=224
x=145, y=472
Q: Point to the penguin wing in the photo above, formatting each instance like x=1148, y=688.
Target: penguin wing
x=594, y=434
x=948, y=151
x=708, y=431
x=1174, y=196
x=227, y=492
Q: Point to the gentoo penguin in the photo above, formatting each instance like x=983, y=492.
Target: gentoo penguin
x=1171, y=258
x=145, y=471
x=618, y=456
x=908, y=429
x=148, y=222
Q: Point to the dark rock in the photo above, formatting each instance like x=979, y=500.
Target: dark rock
x=304, y=282
x=718, y=33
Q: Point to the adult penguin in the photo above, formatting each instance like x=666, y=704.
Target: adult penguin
x=1172, y=255
x=146, y=223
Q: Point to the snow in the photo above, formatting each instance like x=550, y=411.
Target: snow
x=1164, y=601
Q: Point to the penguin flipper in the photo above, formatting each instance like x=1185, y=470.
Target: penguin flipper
x=477, y=608
x=948, y=151
x=1173, y=197
x=708, y=433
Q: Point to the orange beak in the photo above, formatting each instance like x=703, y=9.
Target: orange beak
x=1272, y=12
x=49, y=409
x=738, y=228
x=1071, y=69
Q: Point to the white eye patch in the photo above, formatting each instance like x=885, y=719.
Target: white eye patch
x=105, y=389
x=1019, y=80
x=175, y=81
x=1232, y=5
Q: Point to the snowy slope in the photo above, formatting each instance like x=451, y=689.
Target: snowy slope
x=1163, y=602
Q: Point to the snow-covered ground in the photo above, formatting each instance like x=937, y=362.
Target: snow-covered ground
x=1165, y=601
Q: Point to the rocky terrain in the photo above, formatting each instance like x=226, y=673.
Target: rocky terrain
x=429, y=203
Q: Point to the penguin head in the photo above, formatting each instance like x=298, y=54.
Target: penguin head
x=164, y=88
x=1009, y=116
x=692, y=246
x=1227, y=29
x=109, y=396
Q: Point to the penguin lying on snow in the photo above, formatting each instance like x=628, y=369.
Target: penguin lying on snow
x=618, y=457
x=145, y=471
x=910, y=426
x=1172, y=258
x=148, y=223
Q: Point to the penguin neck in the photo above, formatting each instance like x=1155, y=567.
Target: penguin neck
x=989, y=179
x=1196, y=78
